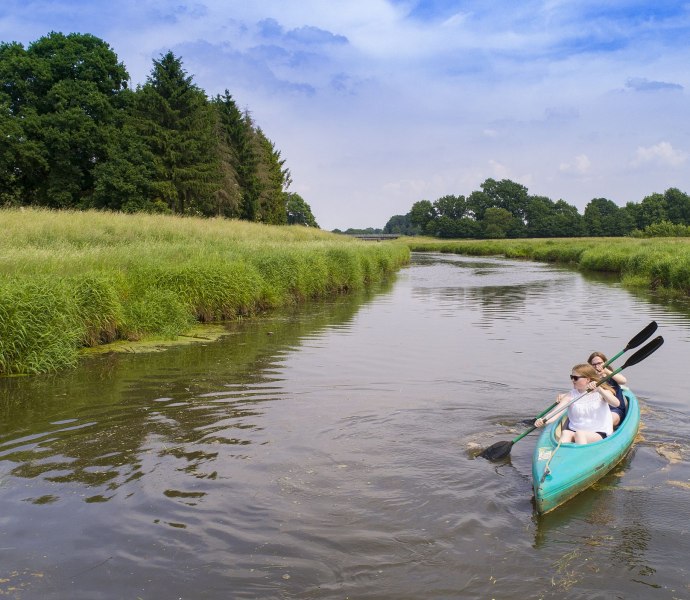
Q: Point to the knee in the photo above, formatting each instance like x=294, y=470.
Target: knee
x=566, y=436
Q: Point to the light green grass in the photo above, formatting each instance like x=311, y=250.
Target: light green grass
x=75, y=279
x=656, y=263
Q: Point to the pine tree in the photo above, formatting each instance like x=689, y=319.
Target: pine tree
x=274, y=180
x=238, y=158
x=177, y=122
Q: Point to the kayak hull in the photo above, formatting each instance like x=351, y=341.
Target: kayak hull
x=561, y=472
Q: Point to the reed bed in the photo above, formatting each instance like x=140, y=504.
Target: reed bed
x=661, y=264
x=74, y=279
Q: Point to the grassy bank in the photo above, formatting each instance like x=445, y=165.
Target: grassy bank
x=75, y=279
x=656, y=263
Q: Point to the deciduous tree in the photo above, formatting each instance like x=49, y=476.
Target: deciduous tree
x=602, y=217
x=298, y=211
x=61, y=95
x=422, y=215
x=497, y=222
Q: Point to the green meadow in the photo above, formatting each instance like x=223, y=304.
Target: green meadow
x=72, y=280
x=661, y=264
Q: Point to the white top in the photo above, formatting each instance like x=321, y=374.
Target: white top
x=590, y=413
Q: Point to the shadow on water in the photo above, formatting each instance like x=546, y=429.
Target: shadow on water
x=589, y=508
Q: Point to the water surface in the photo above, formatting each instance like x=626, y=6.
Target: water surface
x=330, y=452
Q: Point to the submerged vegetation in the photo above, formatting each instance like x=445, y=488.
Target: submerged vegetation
x=654, y=263
x=71, y=279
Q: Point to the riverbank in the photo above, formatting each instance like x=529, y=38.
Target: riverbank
x=661, y=264
x=70, y=280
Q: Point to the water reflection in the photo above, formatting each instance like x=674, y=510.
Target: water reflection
x=590, y=513
x=323, y=453
x=498, y=289
x=121, y=429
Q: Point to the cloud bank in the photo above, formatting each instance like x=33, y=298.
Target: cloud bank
x=376, y=104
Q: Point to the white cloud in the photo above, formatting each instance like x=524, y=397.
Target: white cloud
x=376, y=104
x=579, y=166
x=498, y=170
x=662, y=153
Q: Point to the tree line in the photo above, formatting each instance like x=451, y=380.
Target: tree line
x=505, y=209
x=75, y=135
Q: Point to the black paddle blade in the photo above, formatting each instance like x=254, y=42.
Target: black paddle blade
x=644, y=352
x=643, y=336
x=498, y=451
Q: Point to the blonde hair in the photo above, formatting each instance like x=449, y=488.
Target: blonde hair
x=587, y=370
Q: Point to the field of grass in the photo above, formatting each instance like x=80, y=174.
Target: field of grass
x=654, y=263
x=70, y=280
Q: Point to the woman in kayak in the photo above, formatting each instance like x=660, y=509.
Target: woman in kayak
x=597, y=360
x=589, y=419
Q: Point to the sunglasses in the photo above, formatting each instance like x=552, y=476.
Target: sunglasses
x=576, y=377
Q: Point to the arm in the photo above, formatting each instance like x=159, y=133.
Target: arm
x=609, y=397
x=553, y=414
x=619, y=378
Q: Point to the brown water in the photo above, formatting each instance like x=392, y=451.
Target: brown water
x=330, y=453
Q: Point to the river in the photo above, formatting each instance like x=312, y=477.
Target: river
x=330, y=452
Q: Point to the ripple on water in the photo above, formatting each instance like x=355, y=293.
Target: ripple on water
x=337, y=458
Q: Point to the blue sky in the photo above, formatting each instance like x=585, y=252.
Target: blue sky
x=376, y=104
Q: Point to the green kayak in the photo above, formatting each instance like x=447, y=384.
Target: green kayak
x=560, y=472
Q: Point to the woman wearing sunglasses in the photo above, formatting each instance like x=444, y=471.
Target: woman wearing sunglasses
x=598, y=360
x=589, y=419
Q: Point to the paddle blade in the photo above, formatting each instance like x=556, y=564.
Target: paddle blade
x=644, y=352
x=498, y=451
x=643, y=336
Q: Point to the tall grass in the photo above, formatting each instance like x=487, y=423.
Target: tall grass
x=659, y=263
x=74, y=279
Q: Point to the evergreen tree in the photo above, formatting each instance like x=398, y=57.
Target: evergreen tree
x=176, y=120
x=274, y=180
x=243, y=157
x=238, y=159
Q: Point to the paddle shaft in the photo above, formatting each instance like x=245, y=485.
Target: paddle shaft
x=567, y=404
x=610, y=360
x=502, y=449
x=640, y=355
x=634, y=342
x=540, y=415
